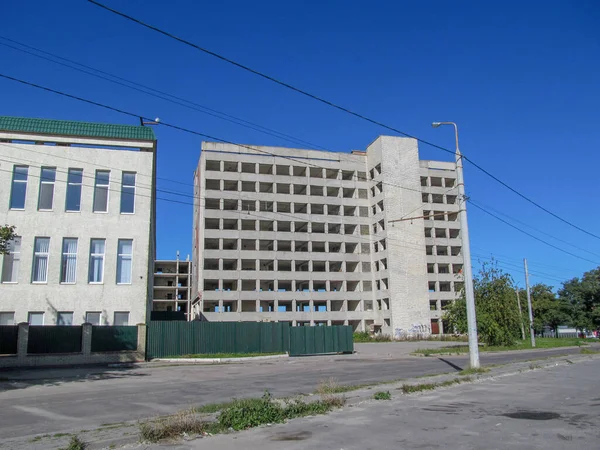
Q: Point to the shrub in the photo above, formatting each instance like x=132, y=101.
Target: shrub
x=242, y=414
x=382, y=395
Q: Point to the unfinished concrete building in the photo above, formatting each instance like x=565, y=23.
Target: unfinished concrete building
x=368, y=238
x=172, y=290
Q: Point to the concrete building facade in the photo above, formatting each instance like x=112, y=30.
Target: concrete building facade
x=313, y=237
x=82, y=198
x=172, y=289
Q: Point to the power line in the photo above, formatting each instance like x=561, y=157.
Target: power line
x=336, y=106
x=160, y=94
x=531, y=235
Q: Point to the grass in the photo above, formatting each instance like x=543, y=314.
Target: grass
x=366, y=337
x=76, y=444
x=382, y=395
x=412, y=388
x=235, y=415
x=541, y=343
x=225, y=355
x=588, y=351
x=331, y=386
x=474, y=371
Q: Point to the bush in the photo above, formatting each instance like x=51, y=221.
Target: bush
x=382, y=395
x=171, y=427
x=248, y=413
x=76, y=444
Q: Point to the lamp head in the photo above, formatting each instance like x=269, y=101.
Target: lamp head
x=435, y=124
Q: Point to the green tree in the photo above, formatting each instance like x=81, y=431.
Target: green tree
x=584, y=297
x=7, y=234
x=498, y=320
x=548, y=310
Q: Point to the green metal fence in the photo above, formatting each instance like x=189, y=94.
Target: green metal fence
x=59, y=339
x=114, y=338
x=8, y=339
x=172, y=338
x=319, y=340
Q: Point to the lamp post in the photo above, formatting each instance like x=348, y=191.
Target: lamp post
x=468, y=272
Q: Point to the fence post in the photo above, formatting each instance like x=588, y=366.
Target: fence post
x=141, y=339
x=86, y=339
x=22, y=341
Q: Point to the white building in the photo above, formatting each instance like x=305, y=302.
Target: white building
x=370, y=239
x=81, y=196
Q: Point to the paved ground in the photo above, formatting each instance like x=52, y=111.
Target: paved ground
x=66, y=400
x=556, y=408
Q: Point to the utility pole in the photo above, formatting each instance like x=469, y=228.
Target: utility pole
x=531, y=332
x=466, y=250
x=520, y=314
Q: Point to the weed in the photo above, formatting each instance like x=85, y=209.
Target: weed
x=588, y=351
x=76, y=444
x=382, y=395
x=212, y=407
x=171, y=427
x=533, y=366
x=331, y=386
x=412, y=388
x=473, y=371
x=59, y=435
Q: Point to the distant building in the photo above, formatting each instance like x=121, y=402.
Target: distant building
x=370, y=239
x=82, y=198
x=172, y=285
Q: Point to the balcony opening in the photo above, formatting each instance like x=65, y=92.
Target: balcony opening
x=363, y=194
x=212, y=203
x=319, y=286
x=265, y=169
x=284, y=246
x=284, y=306
x=351, y=247
x=335, y=247
x=213, y=165
x=451, y=199
x=318, y=247
x=439, y=215
x=229, y=185
x=351, y=266
x=283, y=170
x=425, y=198
x=213, y=185
x=449, y=182
x=363, y=211
x=248, y=225
x=299, y=189
x=349, y=211
x=230, y=166
x=301, y=246
x=265, y=188
x=361, y=176
x=230, y=224
x=267, y=265
x=230, y=244
x=284, y=226
x=267, y=285
x=337, y=305
x=299, y=171
x=248, y=167
x=284, y=188
x=445, y=287
x=302, y=285
x=456, y=251
x=331, y=174
x=385, y=304
x=300, y=208
x=454, y=233
x=424, y=181
x=452, y=217
x=248, y=186
x=230, y=306
x=350, y=228
x=301, y=227
x=284, y=286
x=249, y=285
x=319, y=266
x=230, y=264
x=211, y=285
x=443, y=268
x=266, y=245
x=436, y=182
x=354, y=305
x=334, y=228
x=248, y=264
x=441, y=250
x=211, y=244
x=301, y=266
x=266, y=206
x=429, y=249
x=284, y=266
x=210, y=306
x=316, y=190
x=430, y=268
x=211, y=264
x=333, y=191
x=333, y=210
x=249, y=305
x=364, y=230
x=316, y=208
x=440, y=233
x=266, y=225
x=316, y=172
x=284, y=207
x=248, y=244
x=347, y=175
x=366, y=266
x=432, y=305
x=211, y=224
x=317, y=227
x=230, y=205
x=320, y=306
x=248, y=205
x=457, y=268
x=437, y=198
x=367, y=286
x=365, y=248
x=335, y=266
x=431, y=286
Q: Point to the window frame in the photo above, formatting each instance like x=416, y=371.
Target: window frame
x=58, y=315
x=96, y=186
x=91, y=256
x=37, y=255
x=128, y=186
x=72, y=185
x=87, y=313
x=6, y=313
x=64, y=254
x=121, y=312
x=11, y=254
x=43, y=183
x=12, y=187
x=120, y=257
x=29, y=313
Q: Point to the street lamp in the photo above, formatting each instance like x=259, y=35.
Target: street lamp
x=467, y=272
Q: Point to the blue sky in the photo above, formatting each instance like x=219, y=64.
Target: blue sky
x=520, y=79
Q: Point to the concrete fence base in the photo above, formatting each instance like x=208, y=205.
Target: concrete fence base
x=86, y=356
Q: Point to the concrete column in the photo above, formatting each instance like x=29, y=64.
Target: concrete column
x=294, y=307
x=86, y=339
x=142, y=331
x=22, y=340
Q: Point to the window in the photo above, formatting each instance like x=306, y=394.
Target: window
x=74, y=181
x=96, y=272
x=64, y=318
x=101, y=190
x=128, y=193
x=40, y=260
x=68, y=266
x=19, y=187
x=121, y=318
x=93, y=318
x=12, y=260
x=46, y=196
x=7, y=318
x=36, y=318
x=124, y=261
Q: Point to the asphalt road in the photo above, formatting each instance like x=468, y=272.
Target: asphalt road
x=556, y=408
x=66, y=400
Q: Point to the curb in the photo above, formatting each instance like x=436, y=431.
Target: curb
x=218, y=360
